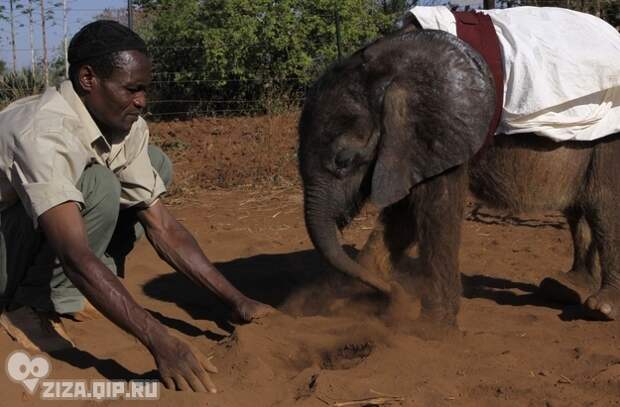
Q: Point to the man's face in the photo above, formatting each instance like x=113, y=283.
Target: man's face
x=116, y=102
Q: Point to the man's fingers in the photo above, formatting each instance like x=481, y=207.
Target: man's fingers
x=195, y=382
x=209, y=366
x=265, y=312
x=205, y=379
x=189, y=370
x=168, y=382
x=206, y=363
x=181, y=383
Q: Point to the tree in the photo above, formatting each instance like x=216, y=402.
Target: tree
x=606, y=9
x=12, y=18
x=230, y=53
x=240, y=55
x=397, y=6
x=612, y=14
x=44, y=41
x=29, y=11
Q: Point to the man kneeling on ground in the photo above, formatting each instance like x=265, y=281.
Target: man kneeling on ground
x=78, y=183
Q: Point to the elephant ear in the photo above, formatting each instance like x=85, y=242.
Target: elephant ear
x=435, y=113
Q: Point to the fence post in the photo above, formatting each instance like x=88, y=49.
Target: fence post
x=46, y=70
x=65, y=43
x=338, y=40
x=11, y=5
x=130, y=14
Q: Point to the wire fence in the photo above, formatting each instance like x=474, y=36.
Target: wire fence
x=191, y=94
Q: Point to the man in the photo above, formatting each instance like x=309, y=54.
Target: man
x=76, y=174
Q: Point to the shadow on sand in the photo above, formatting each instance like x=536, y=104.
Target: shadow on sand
x=504, y=292
x=108, y=368
x=274, y=278
x=269, y=278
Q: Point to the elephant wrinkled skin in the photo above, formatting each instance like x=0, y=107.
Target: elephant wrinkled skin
x=398, y=123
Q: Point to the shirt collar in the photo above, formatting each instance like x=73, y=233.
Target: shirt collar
x=92, y=132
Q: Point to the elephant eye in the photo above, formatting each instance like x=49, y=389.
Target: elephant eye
x=344, y=160
x=342, y=163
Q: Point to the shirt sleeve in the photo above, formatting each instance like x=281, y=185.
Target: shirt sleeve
x=141, y=185
x=45, y=171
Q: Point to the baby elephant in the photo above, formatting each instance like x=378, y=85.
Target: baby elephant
x=398, y=123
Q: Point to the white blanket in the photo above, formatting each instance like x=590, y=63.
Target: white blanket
x=561, y=70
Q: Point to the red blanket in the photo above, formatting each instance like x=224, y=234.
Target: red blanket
x=477, y=30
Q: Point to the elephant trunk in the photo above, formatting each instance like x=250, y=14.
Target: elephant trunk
x=323, y=231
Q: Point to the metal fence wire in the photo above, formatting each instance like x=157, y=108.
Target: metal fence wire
x=186, y=94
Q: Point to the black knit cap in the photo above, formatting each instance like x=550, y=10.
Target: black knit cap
x=103, y=37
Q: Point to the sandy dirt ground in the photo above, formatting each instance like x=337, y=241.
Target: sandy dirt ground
x=331, y=342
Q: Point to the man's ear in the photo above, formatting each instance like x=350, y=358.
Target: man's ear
x=87, y=78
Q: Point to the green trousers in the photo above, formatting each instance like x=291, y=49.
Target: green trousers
x=30, y=273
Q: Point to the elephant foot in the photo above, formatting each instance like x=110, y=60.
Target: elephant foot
x=568, y=288
x=437, y=323
x=399, y=307
x=430, y=328
x=604, y=304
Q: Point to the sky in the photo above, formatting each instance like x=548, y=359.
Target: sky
x=80, y=12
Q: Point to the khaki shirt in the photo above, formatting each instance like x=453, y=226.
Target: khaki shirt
x=46, y=142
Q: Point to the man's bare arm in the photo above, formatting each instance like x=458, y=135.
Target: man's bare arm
x=178, y=248
x=64, y=229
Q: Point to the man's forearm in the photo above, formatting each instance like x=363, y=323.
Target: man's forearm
x=178, y=248
x=103, y=289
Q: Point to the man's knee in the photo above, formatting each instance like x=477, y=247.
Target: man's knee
x=101, y=190
x=161, y=163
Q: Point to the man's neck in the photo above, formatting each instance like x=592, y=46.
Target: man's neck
x=110, y=135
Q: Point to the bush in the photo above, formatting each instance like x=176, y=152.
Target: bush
x=237, y=55
x=20, y=84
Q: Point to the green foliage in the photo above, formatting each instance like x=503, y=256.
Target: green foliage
x=240, y=56
x=612, y=14
x=230, y=53
x=608, y=10
x=396, y=6
x=20, y=84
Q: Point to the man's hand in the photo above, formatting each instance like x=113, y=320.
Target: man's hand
x=252, y=310
x=178, y=362
x=181, y=364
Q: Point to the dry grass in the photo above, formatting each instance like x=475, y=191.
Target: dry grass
x=225, y=153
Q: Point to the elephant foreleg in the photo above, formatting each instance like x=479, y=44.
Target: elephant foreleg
x=438, y=206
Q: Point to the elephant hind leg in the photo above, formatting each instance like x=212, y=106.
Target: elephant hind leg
x=602, y=211
x=584, y=277
x=585, y=255
x=605, y=303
